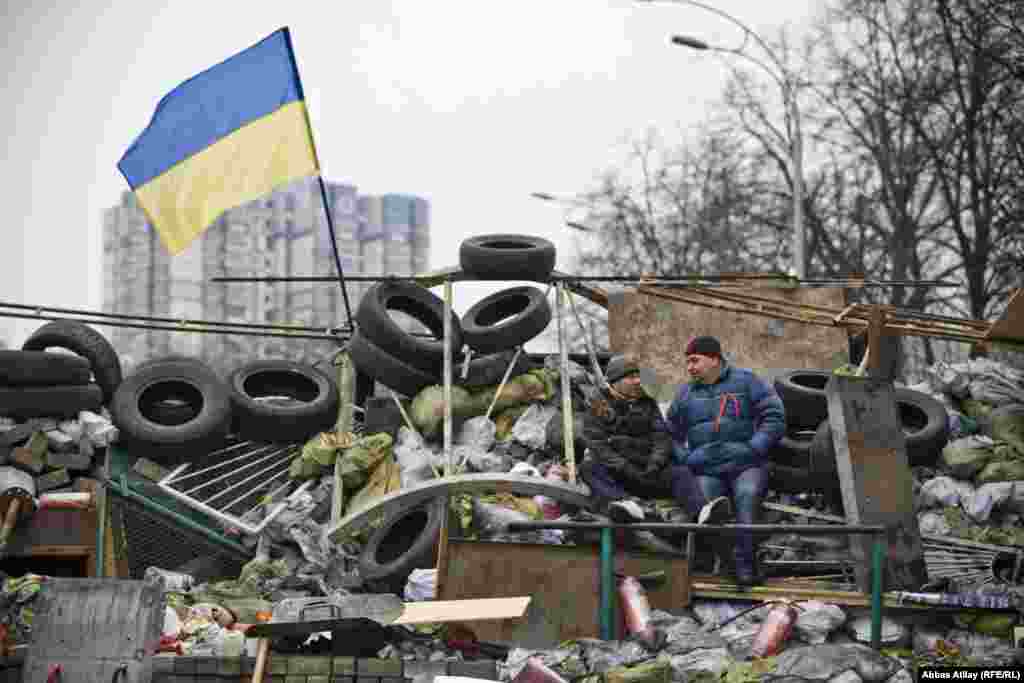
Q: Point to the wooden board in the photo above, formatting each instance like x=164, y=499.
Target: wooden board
x=874, y=476
x=1011, y=326
x=562, y=580
x=655, y=330
x=91, y=627
x=444, y=611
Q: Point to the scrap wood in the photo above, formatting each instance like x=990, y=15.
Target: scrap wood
x=478, y=609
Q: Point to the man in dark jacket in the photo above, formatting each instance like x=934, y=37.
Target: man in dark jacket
x=723, y=423
x=629, y=451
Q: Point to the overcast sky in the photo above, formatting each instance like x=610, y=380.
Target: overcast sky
x=473, y=105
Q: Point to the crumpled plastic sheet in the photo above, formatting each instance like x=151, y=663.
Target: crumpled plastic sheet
x=816, y=620
x=531, y=427
x=825, y=662
x=988, y=497
x=893, y=632
x=714, y=612
x=711, y=661
x=414, y=458
x=421, y=585
x=567, y=661
x=477, y=432
x=944, y=492
x=601, y=656
x=933, y=524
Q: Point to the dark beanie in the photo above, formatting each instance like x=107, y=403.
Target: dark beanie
x=705, y=346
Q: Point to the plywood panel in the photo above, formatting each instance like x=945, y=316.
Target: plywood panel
x=655, y=330
x=562, y=580
x=875, y=478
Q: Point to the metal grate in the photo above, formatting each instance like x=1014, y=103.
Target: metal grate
x=235, y=483
x=154, y=540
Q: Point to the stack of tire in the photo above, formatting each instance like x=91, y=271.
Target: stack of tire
x=805, y=459
x=407, y=363
x=177, y=409
x=35, y=382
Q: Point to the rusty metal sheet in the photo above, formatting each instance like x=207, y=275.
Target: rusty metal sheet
x=655, y=330
x=874, y=476
x=563, y=580
x=94, y=627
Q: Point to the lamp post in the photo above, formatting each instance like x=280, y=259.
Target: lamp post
x=783, y=78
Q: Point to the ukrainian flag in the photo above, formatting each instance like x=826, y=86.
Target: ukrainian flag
x=231, y=134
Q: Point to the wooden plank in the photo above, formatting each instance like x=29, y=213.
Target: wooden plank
x=564, y=582
x=447, y=611
x=874, y=476
x=92, y=627
x=1011, y=326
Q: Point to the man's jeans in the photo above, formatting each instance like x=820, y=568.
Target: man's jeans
x=746, y=488
x=681, y=484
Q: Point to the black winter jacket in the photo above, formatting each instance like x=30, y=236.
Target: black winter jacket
x=630, y=438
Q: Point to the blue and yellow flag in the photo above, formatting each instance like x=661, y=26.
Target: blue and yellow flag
x=230, y=135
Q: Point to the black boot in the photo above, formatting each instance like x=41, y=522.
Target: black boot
x=747, y=571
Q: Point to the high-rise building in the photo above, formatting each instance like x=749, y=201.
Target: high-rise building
x=285, y=234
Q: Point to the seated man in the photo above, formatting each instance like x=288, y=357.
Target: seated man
x=729, y=418
x=629, y=449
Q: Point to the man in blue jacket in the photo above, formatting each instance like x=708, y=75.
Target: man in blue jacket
x=723, y=423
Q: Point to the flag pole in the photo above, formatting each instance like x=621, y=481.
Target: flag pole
x=320, y=179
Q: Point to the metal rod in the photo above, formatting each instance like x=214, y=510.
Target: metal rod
x=160, y=328
x=877, y=558
x=159, y=319
x=646, y=279
x=804, y=529
x=271, y=496
x=448, y=377
x=607, y=611
x=249, y=478
x=598, y=373
x=233, y=471
x=504, y=381
x=256, y=489
x=334, y=247
x=568, y=439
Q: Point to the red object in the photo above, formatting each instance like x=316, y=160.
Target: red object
x=168, y=644
x=55, y=671
x=636, y=610
x=536, y=671
x=775, y=631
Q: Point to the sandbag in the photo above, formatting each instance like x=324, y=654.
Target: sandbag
x=535, y=385
x=531, y=427
x=816, y=620
x=385, y=478
x=1007, y=425
x=362, y=458
x=414, y=458
x=427, y=410
x=477, y=432
x=934, y=524
x=506, y=420
x=1010, y=469
x=964, y=458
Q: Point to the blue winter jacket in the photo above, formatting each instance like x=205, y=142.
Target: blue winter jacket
x=729, y=425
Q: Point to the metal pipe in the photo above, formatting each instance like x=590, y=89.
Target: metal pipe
x=280, y=462
x=233, y=471
x=647, y=279
x=877, y=558
x=732, y=529
x=607, y=612
x=264, y=485
x=448, y=376
x=568, y=425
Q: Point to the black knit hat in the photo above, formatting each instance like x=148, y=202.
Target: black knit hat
x=618, y=367
x=705, y=346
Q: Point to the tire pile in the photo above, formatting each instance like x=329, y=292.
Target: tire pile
x=177, y=409
x=805, y=459
x=385, y=352
x=52, y=417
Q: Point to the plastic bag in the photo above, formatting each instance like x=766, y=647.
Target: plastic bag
x=704, y=661
x=477, y=432
x=531, y=427
x=944, y=492
x=933, y=524
x=988, y=497
x=995, y=383
x=1007, y=425
x=428, y=408
x=414, y=458
x=894, y=633
x=385, y=478
x=358, y=461
x=950, y=379
x=422, y=585
x=826, y=662
x=816, y=620
x=1009, y=469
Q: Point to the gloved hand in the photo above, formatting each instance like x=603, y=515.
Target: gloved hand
x=620, y=443
x=612, y=460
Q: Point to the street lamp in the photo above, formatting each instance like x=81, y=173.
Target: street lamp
x=783, y=78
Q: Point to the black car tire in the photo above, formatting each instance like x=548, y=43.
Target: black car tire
x=38, y=368
x=803, y=397
x=506, y=319
x=86, y=342
x=386, y=369
x=314, y=409
x=793, y=450
x=377, y=325
x=486, y=371
x=507, y=257
x=405, y=542
x=180, y=380
x=926, y=425
x=54, y=401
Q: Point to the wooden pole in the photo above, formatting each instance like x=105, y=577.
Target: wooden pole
x=567, y=414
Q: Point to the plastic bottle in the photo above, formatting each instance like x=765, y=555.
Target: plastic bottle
x=775, y=631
